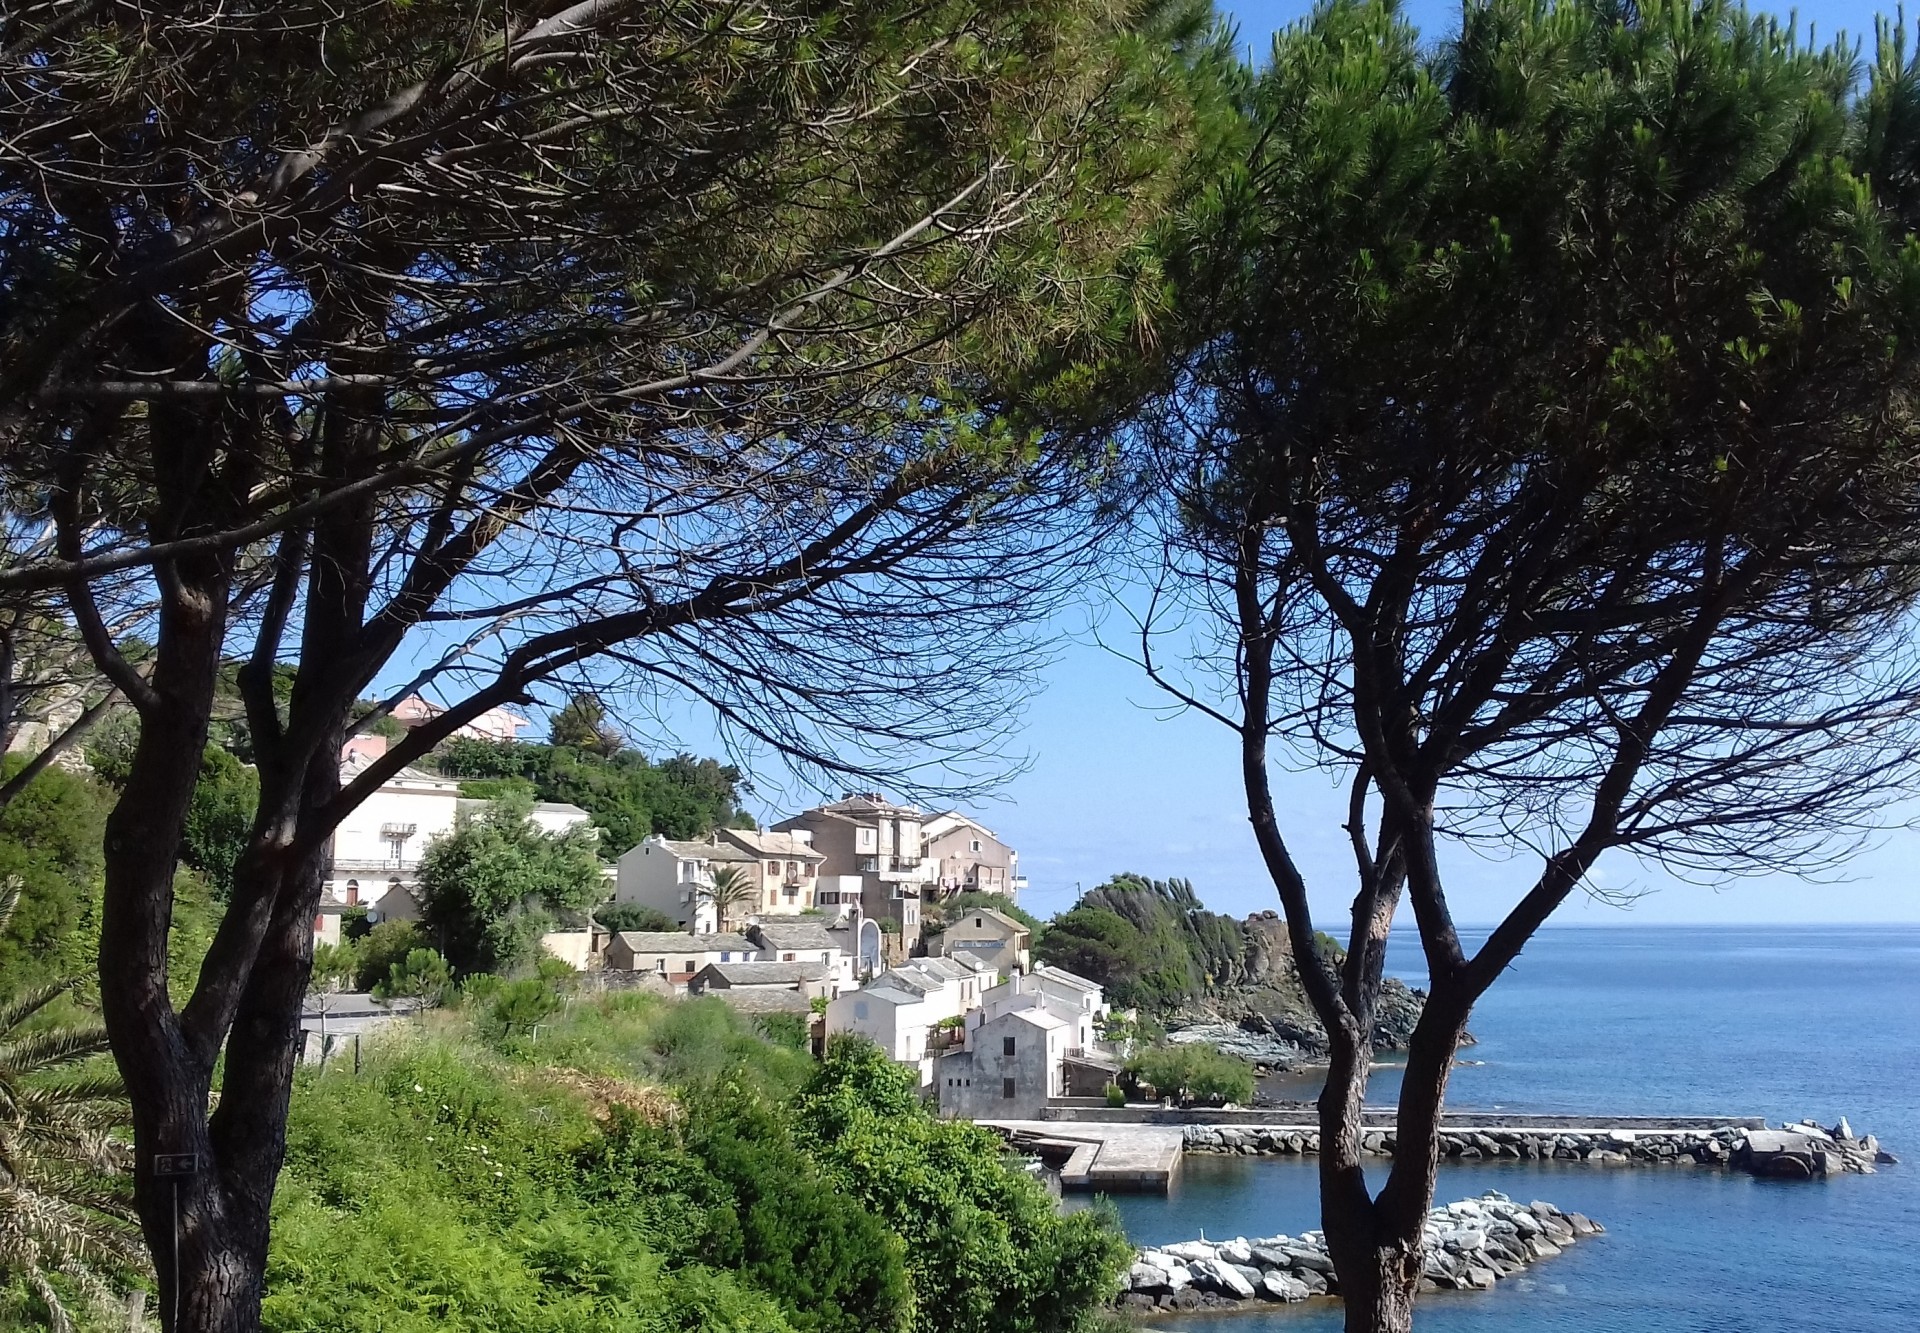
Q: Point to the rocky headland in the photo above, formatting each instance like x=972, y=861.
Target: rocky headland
x=1261, y=1012
x=1470, y=1245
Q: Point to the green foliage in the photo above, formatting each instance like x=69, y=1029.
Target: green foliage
x=1116, y=1095
x=220, y=819
x=492, y=886
x=517, y=1007
x=438, y=1193
x=831, y=1263
x=985, y=1246
x=50, y=839
x=385, y=947
x=1199, y=1071
x=1148, y=942
x=582, y=725
x=733, y=892
x=334, y=965
x=629, y=798
x=422, y=975
x=547, y=1187
x=633, y=916
x=793, y=1031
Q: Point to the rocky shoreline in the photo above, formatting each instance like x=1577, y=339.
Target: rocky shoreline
x=1797, y=1151
x=1271, y=1025
x=1470, y=1245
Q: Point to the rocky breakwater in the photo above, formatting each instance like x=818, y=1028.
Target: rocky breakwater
x=1803, y=1150
x=1469, y=1245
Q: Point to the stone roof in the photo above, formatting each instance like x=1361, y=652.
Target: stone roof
x=681, y=941
x=705, y=850
x=796, y=935
x=1052, y=973
x=765, y=974
x=762, y=1001
x=769, y=844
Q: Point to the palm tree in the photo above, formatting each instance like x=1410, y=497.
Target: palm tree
x=731, y=892
x=66, y=1205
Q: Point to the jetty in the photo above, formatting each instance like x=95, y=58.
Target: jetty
x=1139, y=1148
x=1110, y=1159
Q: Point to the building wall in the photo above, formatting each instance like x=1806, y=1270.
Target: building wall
x=994, y=941
x=362, y=837
x=975, y=1083
x=653, y=876
x=572, y=947
x=866, y=847
x=989, y=868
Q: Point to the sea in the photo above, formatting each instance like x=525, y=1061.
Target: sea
x=1783, y=1022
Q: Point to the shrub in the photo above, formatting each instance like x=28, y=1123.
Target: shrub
x=422, y=975
x=1116, y=1095
x=1202, y=1072
x=386, y=944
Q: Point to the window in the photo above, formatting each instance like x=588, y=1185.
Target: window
x=1006, y=1088
x=859, y=1008
x=811, y=867
x=1006, y=1048
x=786, y=958
x=869, y=864
x=773, y=867
x=979, y=921
x=396, y=847
x=976, y=845
x=687, y=966
x=353, y=893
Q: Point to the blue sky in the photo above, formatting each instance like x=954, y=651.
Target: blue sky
x=1117, y=785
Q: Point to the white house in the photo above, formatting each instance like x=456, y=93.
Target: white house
x=377, y=848
x=910, y=1011
x=676, y=878
x=1077, y=1002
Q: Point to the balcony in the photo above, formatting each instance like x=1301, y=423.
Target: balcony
x=398, y=830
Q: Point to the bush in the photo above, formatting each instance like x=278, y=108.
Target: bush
x=517, y=1007
x=385, y=945
x=422, y=975
x=1201, y=1072
x=1116, y=1095
x=633, y=916
x=987, y=1250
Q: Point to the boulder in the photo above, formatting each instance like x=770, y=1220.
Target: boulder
x=1272, y=1256
x=1316, y=1282
x=1223, y=1278
x=1478, y=1279
x=1190, y=1250
x=1311, y=1260
x=1280, y=1287
x=1236, y=1252
x=1251, y=1274
x=1147, y=1277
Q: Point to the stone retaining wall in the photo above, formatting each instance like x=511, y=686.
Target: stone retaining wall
x=1801, y=1150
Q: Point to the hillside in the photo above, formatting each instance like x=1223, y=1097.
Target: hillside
x=1232, y=982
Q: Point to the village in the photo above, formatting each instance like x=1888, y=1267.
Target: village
x=819, y=915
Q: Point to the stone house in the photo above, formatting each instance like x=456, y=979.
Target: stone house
x=1075, y=1001
x=992, y=937
x=809, y=979
x=674, y=955
x=1011, y=1067
x=785, y=940
x=969, y=857
x=786, y=869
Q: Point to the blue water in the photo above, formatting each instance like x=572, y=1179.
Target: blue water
x=1782, y=1022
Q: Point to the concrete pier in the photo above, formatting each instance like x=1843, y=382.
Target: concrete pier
x=1112, y=1159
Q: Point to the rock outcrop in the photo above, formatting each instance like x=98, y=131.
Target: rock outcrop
x=1469, y=1245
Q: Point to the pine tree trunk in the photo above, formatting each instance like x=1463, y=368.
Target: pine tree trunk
x=1376, y=1243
